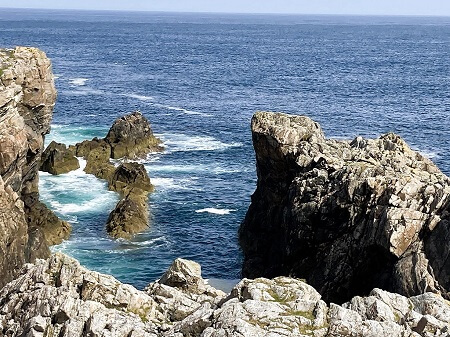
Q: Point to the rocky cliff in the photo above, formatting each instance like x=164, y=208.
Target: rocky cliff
x=347, y=216
x=27, y=97
x=60, y=298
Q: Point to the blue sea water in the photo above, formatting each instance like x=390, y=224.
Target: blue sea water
x=199, y=78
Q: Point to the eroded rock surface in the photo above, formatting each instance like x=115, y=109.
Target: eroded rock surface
x=346, y=216
x=58, y=159
x=131, y=214
x=27, y=97
x=131, y=136
x=60, y=298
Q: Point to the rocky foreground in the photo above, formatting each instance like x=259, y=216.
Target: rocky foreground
x=60, y=298
x=347, y=216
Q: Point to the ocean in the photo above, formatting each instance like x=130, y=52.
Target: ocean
x=199, y=78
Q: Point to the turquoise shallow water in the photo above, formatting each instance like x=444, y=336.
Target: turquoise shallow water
x=198, y=79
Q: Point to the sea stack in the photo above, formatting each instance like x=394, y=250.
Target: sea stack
x=27, y=98
x=346, y=216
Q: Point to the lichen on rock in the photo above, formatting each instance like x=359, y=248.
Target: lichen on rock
x=70, y=301
x=346, y=216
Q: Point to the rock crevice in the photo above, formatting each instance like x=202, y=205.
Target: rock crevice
x=64, y=299
x=346, y=216
x=27, y=98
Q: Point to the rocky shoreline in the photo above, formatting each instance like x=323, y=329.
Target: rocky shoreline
x=364, y=222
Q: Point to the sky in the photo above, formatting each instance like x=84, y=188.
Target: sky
x=359, y=7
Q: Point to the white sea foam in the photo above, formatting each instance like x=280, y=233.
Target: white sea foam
x=139, y=97
x=83, y=92
x=186, y=111
x=152, y=168
x=78, y=81
x=183, y=110
x=162, y=184
x=75, y=192
x=181, y=142
x=217, y=211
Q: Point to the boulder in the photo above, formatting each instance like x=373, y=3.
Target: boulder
x=128, y=176
x=98, y=164
x=129, y=217
x=58, y=159
x=347, y=216
x=131, y=136
x=131, y=214
x=38, y=215
x=84, y=148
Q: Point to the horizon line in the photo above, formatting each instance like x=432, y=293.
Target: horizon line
x=230, y=12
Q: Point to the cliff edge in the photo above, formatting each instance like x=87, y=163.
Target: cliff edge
x=58, y=297
x=346, y=216
x=27, y=98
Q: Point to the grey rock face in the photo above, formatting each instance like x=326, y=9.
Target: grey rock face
x=346, y=216
x=27, y=97
x=60, y=298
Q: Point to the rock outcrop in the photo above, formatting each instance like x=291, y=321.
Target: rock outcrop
x=131, y=136
x=58, y=159
x=346, y=216
x=131, y=214
x=27, y=98
x=60, y=298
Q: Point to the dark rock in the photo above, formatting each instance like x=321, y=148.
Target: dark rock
x=84, y=148
x=38, y=215
x=131, y=214
x=347, y=217
x=98, y=164
x=57, y=159
x=130, y=176
x=131, y=136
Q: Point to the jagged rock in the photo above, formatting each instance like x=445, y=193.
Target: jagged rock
x=27, y=98
x=98, y=164
x=57, y=159
x=131, y=214
x=181, y=291
x=346, y=216
x=84, y=148
x=39, y=215
x=60, y=298
x=129, y=217
x=130, y=176
x=131, y=136
x=13, y=233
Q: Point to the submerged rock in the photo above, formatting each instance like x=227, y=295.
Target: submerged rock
x=346, y=216
x=58, y=159
x=27, y=98
x=64, y=299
